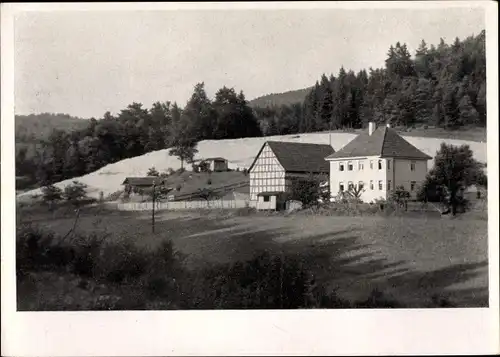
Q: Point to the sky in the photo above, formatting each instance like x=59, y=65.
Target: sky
x=87, y=63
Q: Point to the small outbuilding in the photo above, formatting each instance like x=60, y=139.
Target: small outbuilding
x=215, y=164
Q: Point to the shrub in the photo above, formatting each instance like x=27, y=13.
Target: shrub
x=264, y=282
x=170, y=171
x=377, y=299
x=75, y=193
x=126, y=277
x=51, y=194
x=122, y=262
x=306, y=191
x=116, y=195
x=87, y=250
x=400, y=197
x=38, y=250
x=153, y=172
x=204, y=166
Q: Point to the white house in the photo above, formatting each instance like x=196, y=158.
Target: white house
x=378, y=161
x=277, y=164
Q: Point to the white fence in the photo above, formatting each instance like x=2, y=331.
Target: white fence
x=180, y=205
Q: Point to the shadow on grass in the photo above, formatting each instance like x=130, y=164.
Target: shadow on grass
x=337, y=261
x=353, y=270
x=443, y=284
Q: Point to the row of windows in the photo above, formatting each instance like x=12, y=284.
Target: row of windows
x=361, y=185
x=361, y=165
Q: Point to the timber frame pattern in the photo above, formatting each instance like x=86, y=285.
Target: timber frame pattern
x=266, y=174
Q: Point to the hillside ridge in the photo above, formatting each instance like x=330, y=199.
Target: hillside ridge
x=277, y=99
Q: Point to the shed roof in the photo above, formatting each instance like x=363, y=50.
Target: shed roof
x=300, y=157
x=143, y=181
x=210, y=159
x=384, y=142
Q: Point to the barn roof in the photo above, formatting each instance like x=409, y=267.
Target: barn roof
x=143, y=181
x=300, y=157
x=384, y=142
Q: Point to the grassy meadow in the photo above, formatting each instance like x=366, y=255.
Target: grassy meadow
x=414, y=260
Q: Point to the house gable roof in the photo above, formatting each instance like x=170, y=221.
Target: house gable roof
x=299, y=157
x=143, y=181
x=384, y=142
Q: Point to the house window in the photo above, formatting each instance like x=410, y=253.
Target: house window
x=341, y=187
x=349, y=165
x=266, y=198
x=388, y=164
x=350, y=185
x=412, y=185
x=380, y=164
x=341, y=166
x=380, y=185
x=361, y=165
x=371, y=165
x=389, y=185
x=361, y=185
x=412, y=166
x=371, y=184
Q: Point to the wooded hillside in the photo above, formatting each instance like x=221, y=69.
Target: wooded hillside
x=278, y=99
x=442, y=86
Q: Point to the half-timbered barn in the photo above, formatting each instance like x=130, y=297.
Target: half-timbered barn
x=277, y=164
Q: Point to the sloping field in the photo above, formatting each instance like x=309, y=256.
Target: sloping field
x=239, y=152
x=408, y=258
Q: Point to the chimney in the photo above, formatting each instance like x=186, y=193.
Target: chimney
x=371, y=128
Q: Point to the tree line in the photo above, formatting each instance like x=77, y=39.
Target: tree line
x=137, y=130
x=442, y=86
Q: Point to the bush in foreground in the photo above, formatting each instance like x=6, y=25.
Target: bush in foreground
x=91, y=273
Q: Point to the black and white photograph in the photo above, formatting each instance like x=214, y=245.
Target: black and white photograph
x=250, y=159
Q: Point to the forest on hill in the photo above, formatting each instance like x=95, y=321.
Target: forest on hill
x=442, y=86
x=279, y=99
x=33, y=127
